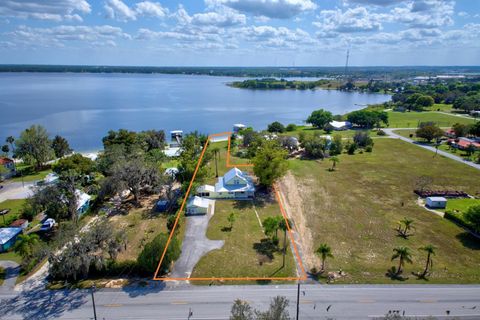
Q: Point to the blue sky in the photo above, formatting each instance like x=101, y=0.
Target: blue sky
x=240, y=32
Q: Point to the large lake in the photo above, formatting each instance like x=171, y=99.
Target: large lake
x=83, y=107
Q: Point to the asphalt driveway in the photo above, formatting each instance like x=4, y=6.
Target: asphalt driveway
x=195, y=245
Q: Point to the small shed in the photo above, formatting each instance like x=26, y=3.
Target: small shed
x=8, y=236
x=20, y=223
x=198, y=206
x=436, y=202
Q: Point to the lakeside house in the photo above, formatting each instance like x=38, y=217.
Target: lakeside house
x=338, y=125
x=8, y=236
x=9, y=167
x=450, y=133
x=237, y=127
x=199, y=206
x=235, y=184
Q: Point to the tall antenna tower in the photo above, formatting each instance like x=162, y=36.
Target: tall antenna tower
x=346, y=63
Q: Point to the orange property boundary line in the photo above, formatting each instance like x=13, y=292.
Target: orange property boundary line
x=179, y=212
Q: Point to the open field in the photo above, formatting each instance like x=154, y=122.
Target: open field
x=29, y=174
x=461, y=205
x=411, y=119
x=245, y=245
x=15, y=207
x=356, y=208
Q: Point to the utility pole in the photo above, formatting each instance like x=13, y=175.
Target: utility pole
x=93, y=301
x=298, y=299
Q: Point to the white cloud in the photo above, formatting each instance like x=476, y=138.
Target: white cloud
x=117, y=9
x=383, y=3
x=59, y=35
x=153, y=9
x=425, y=13
x=357, y=19
x=268, y=36
x=279, y=9
x=222, y=17
x=54, y=10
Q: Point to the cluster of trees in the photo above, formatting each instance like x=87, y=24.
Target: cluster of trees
x=93, y=248
x=192, y=147
x=320, y=118
x=149, y=257
x=318, y=147
x=368, y=119
x=241, y=310
x=272, y=83
x=35, y=147
x=472, y=216
x=463, y=130
x=270, y=162
x=464, y=95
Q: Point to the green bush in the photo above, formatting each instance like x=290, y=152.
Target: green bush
x=368, y=149
x=291, y=127
x=455, y=218
x=152, y=252
x=381, y=133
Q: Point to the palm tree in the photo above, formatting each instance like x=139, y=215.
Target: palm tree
x=25, y=243
x=404, y=255
x=215, y=151
x=324, y=251
x=334, y=160
x=231, y=219
x=407, y=226
x=282, y=225
x=430, y=250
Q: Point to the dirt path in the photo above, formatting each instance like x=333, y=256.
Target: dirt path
x=292, y=194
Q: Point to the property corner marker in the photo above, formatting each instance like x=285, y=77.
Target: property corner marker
x=279, y=199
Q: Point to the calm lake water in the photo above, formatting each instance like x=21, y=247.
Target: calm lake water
x=83, y=107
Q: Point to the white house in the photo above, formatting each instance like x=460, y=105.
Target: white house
x=237, y=127
x=235, y=184
x=436, y=202
x=339, y=125
x=198, y=205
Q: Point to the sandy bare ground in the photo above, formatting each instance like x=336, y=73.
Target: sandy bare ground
x=295, y=207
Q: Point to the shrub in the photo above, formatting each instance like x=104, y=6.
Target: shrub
x=276, y=127
x=455, y=218
x=351, y=147
x=368, y=149
x=171, y=222
x=291, y=127
x=381, y=133
x=150, y=256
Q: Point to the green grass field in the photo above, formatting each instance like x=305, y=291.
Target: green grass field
x=412, y=119
x=356, y=208
x=461, y=205
x=12, y=256
x=15, y=207
x=29, y=175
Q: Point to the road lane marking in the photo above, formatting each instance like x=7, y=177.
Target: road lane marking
x=366, y=301
x=113, y=305
x=427, y=301
x=178, y=302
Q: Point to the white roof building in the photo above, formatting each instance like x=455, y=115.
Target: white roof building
x=340, y=125
x=199, y=205
x=234, y=184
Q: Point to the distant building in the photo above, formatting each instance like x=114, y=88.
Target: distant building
x=8, y=236
x=339, y=125
x=450, y=133
x=9, y=167
x=464, y=143
x=199, y=206
x=235, y=184
x=176, y=138
x=237, y=127
x=436, y=202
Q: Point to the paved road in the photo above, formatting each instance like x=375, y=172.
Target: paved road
x=195, y=245
x=11, y=272
x=15, y=190
x=346, y=302
x=443, y=153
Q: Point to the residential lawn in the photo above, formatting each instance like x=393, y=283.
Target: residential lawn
x=356, y=209
x=243, y=249
x=461, y=205
x=12, y=256
x=412, y=119
x=441, y=107
x=30, y=175
x=15, y=207
x=312, y=130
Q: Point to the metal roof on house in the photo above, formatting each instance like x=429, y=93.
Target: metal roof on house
x=232, y=173
x=198, y=202
x=4, y=160
x=6, y=234
x=437, y=199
